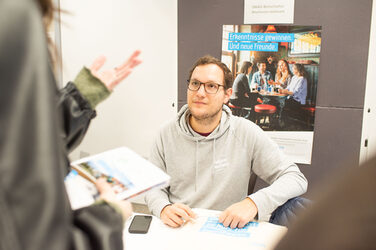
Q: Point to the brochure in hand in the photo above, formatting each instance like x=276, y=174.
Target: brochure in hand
x=128, y=173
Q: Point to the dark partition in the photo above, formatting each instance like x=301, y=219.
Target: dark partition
x=342, y=75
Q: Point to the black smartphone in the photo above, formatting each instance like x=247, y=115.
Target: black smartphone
x=140, y=224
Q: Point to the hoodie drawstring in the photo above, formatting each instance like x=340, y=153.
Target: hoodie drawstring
x=212, y=170
x=196, y=170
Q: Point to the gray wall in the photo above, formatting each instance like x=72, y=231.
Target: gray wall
x=342, y=75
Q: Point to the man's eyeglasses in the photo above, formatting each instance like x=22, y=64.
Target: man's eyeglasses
x=210, y=87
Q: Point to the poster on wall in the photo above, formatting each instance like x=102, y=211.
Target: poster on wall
x=276, y=68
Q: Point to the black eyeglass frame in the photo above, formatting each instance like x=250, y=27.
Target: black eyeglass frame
x=205, y=84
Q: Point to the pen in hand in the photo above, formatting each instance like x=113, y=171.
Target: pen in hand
x=177, y=214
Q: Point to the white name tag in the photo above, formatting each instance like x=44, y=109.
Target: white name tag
x=268, y=11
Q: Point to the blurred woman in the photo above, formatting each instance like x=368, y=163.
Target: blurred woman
x=283, y=75
x=241, y=94
x=40, y=125
x=296, y=91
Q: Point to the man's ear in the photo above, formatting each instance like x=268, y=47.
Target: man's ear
x=228, y=93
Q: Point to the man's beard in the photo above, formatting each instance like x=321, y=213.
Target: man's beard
x=206, y=118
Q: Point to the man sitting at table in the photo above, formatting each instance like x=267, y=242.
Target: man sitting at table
x=261, y=77
x=211, y=154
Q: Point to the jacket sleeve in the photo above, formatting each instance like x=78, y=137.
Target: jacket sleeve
x=34, y=209
x=97, y=227
x=77, y=102
x=77, y=115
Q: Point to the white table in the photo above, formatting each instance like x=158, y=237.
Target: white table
x=261, y=235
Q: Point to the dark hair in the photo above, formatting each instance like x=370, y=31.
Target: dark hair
x=245, y=66
x=279, y=73
x=227, y=75
x=48, y=9
x=262, y=61
x=300, y=68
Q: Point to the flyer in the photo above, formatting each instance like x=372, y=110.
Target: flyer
x=275, y=69
x=127, y=173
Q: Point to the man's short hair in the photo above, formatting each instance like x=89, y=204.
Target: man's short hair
x=228, y=78
x=262, y=61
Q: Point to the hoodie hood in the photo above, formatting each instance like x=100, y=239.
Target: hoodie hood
x=182, y=124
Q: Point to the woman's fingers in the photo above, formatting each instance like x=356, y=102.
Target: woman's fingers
x=131, y=62
x=105, y=190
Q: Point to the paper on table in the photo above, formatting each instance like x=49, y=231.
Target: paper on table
x=201, y=234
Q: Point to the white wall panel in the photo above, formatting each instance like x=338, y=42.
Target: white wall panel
x=136, y=109
x=369, y=117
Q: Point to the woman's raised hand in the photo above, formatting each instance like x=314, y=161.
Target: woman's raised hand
x=112, y=77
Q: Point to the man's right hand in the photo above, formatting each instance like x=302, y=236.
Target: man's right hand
x=175, y=215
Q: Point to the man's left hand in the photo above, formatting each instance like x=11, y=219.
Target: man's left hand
x=238, y=214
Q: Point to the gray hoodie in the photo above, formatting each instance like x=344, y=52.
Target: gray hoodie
x=213, y=172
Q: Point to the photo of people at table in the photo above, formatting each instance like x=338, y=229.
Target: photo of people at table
x=275, y=88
